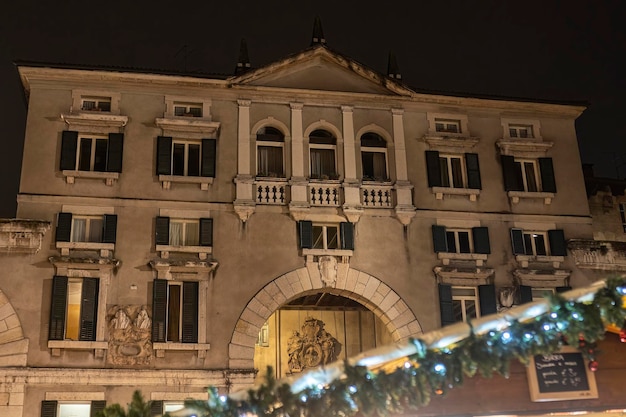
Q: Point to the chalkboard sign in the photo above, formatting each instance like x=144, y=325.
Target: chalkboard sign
x=563, y=375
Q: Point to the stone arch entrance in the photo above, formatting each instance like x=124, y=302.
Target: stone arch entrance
x=13, y=345
x=366, y=289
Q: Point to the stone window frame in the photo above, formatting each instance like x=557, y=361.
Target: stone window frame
x=78, y=95
x=172, y=100
x=462, y=119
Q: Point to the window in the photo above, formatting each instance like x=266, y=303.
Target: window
x=538, y=243
x=521, y=131
x=374, y=157
x=86, y=228
x=622, y=208
x=474, y=240
x=158, y=407
x=529, y=175
x=71, y=409
x=188, y=109
x=88, y=152
x=184, y=232
x=73, y=313
x=447, y=125
x=270, y=143
x=528, y=293
x=322, y=145
x=464, y=303
x=455, y=171
x=95, y=104
x=326, y=236
x=175, y=311
x=192, y=158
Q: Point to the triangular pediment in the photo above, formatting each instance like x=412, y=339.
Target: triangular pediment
x=321, y=69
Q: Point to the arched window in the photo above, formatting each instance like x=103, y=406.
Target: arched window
x=374, y=157
x=270, y=144
x=322, y=146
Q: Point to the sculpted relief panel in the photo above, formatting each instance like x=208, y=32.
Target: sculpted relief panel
x=311, y=347
x=129, y=336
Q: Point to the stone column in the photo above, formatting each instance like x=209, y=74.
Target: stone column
x=405, y=210
x=351, y=185
x=244, y=203
x=299, y=185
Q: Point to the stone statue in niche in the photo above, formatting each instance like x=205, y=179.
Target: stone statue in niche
x=311, y=347
x=328, y=270
x=129, y=336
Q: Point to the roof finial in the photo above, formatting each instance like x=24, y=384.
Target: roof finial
x=393, y=71
x=243, y=63
x=318, y=33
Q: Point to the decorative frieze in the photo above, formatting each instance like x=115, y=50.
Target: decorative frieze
x=22, y=236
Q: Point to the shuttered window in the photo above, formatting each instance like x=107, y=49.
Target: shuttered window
x=456, y=171
x=474, y=240
x=460, y=304
x=51, y=408
x=86, y=228
x=183, y=232
x=190, y=158
x=74, y=308
x=175, y=311
x=538, y=243
x=88, y=152
x=531, y=175
x=325, y=236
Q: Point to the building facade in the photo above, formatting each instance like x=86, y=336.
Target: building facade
x=189, y=230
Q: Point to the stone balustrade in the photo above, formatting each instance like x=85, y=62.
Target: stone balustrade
x=376, y=195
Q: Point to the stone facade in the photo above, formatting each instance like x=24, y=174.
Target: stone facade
x=207, y=204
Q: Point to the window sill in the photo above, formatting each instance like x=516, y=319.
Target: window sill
x=439, y=192
x=56, y=346
x=105, y=248
x=515, y=196
x=201, y=348
x=480, y=258
x=525, y=259
x=202, y=251
x=109, y=177
x=167, y=180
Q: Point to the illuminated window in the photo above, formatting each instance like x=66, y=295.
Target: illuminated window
x=175, y=311
x=73, y=313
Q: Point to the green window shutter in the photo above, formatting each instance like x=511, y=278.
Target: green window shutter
x=548, y=182
x=110, y=228
x=159, y=309
x=206, y=232
x=487, y=297
x=473, y=171
x=115, y=151
x=440, y=243
x=517, y=242
x=56, y=329
x=64, y=227
x=526, y=293
x=69, y=144
x=89, y=309
x=305, y=232
x=480, y=236
x=164, y=155
x=509, y=172
x=209, y=155
x=49, y=408
x=558, y=247
x=156, y=408
x=446, y=306
x=162, y=231
x=190, y=312
x=347, y=235
x=97, y=406
x=433, y=169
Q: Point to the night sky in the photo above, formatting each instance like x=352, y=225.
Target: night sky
x=560, y=50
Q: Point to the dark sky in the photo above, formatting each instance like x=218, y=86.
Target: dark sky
x=548, y=49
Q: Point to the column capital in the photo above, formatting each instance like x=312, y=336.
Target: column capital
x=296, y=106
x=244, y=102
x=396, y=111
x=347, y=109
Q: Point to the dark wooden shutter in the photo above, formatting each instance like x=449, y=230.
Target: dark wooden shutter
x=159, y=309
x=190, y=312
x=558, y=247
x=57, y=308
x=162, y=231
x=433, y=169
x=114, y=152
x=487, y=296
x=562, y=289
x=209, y=155
x=89, y=309
x=156, y=408
x=525, y=293
x=69, y=144
x=97, y=406
x=305, y=232
x=446, y=306
x=440, y=243
x=509, y=172
x=548, y=183
x=517, y=241
x=110, y=228
x=64, y=227
x=347, y=235
x=164, y=155
x=480, y=236
x=49, y=408
x=473, y=171
x=206, y=232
